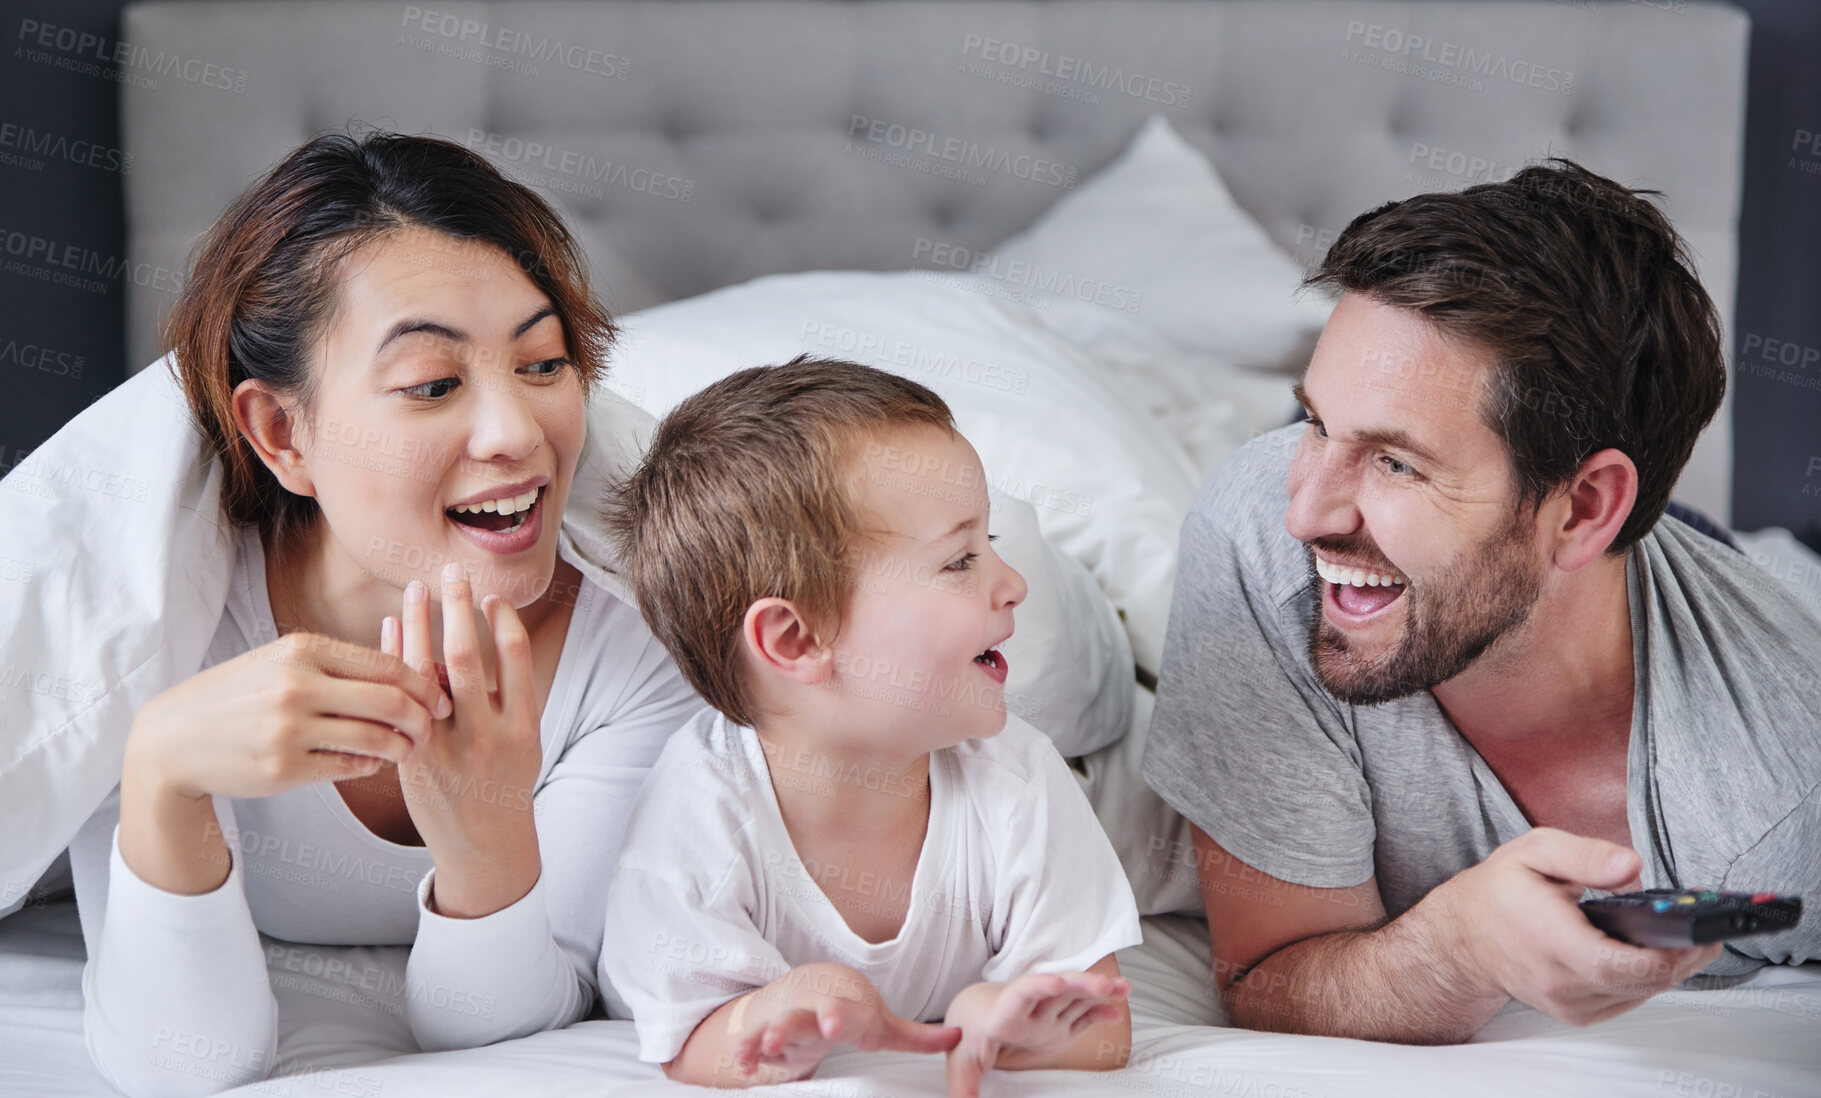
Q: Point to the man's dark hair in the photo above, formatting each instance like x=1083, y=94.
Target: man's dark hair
x=1586, y=295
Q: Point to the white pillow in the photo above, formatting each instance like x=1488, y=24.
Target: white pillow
x=1210, y=407
x=1108, y=489
x=1071, y=664
x=1152, y=839
x=1157, y=238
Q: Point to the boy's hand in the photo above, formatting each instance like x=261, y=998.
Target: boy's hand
x=1032, y=1021
x=790, y=1025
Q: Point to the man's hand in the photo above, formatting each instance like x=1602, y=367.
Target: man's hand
x=1326, y=962
x=782, y=1031
x=1037, y=1020
x=1516, y=914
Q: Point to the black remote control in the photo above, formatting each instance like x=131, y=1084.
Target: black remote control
x=1669, y=918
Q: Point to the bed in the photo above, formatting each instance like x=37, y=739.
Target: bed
x=932, y=186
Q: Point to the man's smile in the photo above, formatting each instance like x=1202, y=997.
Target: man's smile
x=1358, y=594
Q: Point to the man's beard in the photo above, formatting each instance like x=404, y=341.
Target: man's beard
x=1449, y=620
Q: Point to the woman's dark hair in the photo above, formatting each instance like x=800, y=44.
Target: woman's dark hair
x=1584, y=292
x=264, y=284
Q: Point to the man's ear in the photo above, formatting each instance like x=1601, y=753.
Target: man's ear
x=269, y=425
x=779, y=638
x=1599, y=500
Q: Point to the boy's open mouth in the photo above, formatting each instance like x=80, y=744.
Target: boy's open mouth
x=992, y=661
x=506, y=513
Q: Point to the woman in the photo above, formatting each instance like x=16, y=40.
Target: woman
x=390, y=348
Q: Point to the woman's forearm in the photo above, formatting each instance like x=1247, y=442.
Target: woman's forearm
x=472, y=982
x=474, y=883
x=176, y=997
x=168, y=837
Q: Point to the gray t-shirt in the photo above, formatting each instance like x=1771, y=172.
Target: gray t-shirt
x=1724, y=780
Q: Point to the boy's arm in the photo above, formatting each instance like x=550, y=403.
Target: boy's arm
x=1076, y=1020
x=782, y=1031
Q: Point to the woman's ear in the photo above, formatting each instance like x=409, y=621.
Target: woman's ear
x=779, y=639
x=269, y=425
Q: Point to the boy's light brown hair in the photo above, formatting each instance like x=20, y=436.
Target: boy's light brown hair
x=747, y=492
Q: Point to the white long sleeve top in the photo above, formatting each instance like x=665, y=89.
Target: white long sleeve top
x=178, y=1000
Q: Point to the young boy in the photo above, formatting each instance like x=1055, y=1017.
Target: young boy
x=856, y=840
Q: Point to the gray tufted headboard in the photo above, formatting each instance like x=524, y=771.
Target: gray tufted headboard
x=698, y=143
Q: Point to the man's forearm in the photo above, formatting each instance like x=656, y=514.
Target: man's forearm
x=1403, y=981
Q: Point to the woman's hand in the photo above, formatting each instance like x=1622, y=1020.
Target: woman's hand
x=305, y=708
x=469, y=784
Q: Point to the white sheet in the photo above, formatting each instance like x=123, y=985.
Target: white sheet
x=1759, y=1040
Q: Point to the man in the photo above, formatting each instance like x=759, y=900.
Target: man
x=1437, y=662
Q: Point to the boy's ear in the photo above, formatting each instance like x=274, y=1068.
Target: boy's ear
x=778, y=638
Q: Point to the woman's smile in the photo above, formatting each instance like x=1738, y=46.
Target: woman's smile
x=505, y=522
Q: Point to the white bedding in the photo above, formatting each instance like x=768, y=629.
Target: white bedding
x=1759, y=1040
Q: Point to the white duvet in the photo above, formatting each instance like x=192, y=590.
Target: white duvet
x=1755, y=1041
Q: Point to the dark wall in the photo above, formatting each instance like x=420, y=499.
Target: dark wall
x=63, y=271
x=1777, y=345
x=62, y=329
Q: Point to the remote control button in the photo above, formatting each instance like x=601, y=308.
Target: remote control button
x=1763, y=897
x=1685, y=899
x=1660, y=905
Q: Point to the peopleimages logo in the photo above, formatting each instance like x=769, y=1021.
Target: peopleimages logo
x=1053, y=281
x=574, y=170
x=960, y=151
x=53, y=146
x=21, y=253
x=509, y=43
x=96, y=55
x=1446, y=62
x=1063, y=70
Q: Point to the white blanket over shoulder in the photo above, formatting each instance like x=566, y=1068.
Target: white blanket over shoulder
x=120, y=558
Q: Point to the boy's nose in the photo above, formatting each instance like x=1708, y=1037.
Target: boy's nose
x=1012, y=588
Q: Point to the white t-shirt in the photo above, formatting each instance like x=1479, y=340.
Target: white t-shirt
x=306, y=870
x=711, y=900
